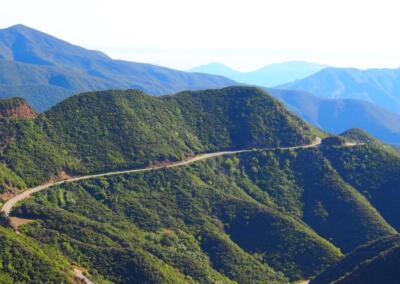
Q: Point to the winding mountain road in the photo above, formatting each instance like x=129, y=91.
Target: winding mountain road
x=7, y=207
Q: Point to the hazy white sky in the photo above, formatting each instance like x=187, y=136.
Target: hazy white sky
x=244, y=34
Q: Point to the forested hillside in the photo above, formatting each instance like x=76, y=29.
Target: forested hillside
x=252, y=218
x=270, y=215
x=24, y=260
x=375, y=262
x=97, y=132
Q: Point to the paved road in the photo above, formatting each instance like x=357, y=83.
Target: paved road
x=7, y=207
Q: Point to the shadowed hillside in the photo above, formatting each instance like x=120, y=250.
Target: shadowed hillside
x=375, y=262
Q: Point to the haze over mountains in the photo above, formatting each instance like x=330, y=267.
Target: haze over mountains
x=269, y=75
x=45, y=70
x=338, y=115
x=378, y=86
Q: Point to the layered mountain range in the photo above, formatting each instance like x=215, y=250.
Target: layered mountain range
x=269, y=75
x=334, y=99
x=338, y=115
x=45, y=70
x=378, y=86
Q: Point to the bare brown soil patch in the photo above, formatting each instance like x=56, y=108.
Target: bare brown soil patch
x=17, y=222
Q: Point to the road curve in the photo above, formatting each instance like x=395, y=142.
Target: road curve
x=7, y=207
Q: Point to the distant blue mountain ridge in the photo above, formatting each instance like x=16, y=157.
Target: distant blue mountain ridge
x=339, y=115
x=268, y=76
x=337, y=99
x=378, y=86
x=46, y=70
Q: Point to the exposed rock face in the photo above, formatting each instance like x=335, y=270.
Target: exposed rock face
x=15, y=108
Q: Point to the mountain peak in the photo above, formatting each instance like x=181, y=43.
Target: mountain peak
x=45, y=69
x=26, y=31
x=268, y=75
x=28, y=45
x=214, y=68
x=307, y=68
x=378, y=86
x=19, y=27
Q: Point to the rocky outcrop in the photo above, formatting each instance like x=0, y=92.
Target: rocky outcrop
x=15, y=108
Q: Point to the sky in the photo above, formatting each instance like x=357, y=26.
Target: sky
x=244, y=34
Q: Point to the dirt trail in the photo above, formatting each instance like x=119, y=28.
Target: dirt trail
x=7, y=207
x=79, y=275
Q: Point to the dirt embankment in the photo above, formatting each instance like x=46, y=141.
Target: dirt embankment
x=15, y=108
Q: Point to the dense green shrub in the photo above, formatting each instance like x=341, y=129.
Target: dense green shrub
x=109, y=130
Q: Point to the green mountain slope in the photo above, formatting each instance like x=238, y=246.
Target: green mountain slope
x=24, y=260
x=375, y=262
x=96, y=132
x=263, y=212
x=307, y=185
x=195, y=219
x=265, y=216
x=374, y=171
